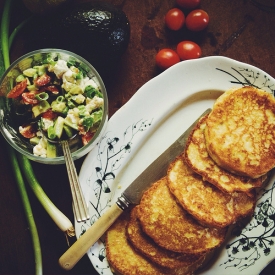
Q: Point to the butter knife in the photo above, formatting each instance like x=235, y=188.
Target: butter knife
x=132, y=195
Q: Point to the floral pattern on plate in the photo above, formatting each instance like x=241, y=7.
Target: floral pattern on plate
x=148, y=124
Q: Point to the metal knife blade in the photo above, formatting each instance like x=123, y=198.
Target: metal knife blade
x=158, y=168
x=131, y=195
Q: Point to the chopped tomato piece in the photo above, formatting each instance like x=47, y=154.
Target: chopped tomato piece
x=28, y=131
x=49, y=114
x=52, y=88
x=87, y=137
x=18, y=89
x=42, y=80
x=29, y=98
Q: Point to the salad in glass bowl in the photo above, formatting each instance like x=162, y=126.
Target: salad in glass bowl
x=49, y=95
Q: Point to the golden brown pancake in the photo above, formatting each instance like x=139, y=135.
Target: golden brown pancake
x=240, y=132
x=122, y=258
x=197, y=157
x=175, y=263
x=171, y=227
x=208, y=204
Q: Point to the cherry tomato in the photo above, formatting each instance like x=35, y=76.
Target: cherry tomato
x=174, y=19
x=52, y=88
x=42, y=80
x=49, y=114
x=197, y=20
x=87, y=137
x=18, y=89
x=28, y=131
x=188, y=4
x=166, y=58
x=29, y=98
x=188, y=50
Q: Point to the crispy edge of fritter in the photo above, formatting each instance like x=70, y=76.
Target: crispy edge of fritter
x=121, y=255
x=227, y=181
x=180, y=240
x=202, y=207
x=176, y=263
x=255, y=164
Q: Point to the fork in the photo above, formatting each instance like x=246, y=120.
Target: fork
x=80, y=207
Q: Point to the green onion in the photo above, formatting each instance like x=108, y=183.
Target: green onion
x=59, y=218
x=91, y=92
x=60, y=98
x=88, y=122
x=42, y=96
x=51, y=132
x=20, y=182
x=70, y=104
x=62, y=221
x=28, y=211
x=17, y=29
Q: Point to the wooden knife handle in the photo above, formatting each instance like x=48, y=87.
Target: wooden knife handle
x=69, y=259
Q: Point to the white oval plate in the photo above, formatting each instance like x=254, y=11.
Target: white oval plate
x=154, y=118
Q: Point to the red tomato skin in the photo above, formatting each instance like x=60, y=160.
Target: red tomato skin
x=28, y=131
x=188, y=50
x=29, y=98
x=174, y=19
x=52, y=88
x=197, y=20
x=166, y=58
x=188, y=4
x=86, y=138
x=18, y=89
x=42, y=80
x=49, y=114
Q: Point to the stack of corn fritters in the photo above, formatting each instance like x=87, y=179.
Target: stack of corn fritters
x=184, y=217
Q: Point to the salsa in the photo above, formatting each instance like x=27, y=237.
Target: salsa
x=55, y=99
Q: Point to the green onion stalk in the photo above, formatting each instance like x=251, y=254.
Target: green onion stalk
x=58, y=217
x=20, y=163
x=12, y=155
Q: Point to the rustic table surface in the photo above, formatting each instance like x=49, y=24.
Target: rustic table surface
x=240, y=29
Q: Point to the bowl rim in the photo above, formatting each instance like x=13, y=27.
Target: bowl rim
x=101, y=129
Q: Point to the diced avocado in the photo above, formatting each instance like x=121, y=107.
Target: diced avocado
x=58, y=106
x=76, y=90
x=41, y=69
x=40, y=108
x=34, y=140
x=58, y=126
x=68, y=122
x=68, y=130
x=97, y=116
x=51, y=150
x=30, y=72
x=20, y=78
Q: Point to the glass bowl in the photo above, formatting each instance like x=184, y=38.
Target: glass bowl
x=9, y=120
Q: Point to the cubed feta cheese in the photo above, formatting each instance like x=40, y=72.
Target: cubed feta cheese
x=93, y=103
x=60, y=68
x=46, y=123
x=41, y=148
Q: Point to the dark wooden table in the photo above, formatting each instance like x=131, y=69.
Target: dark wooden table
x=240, y=29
